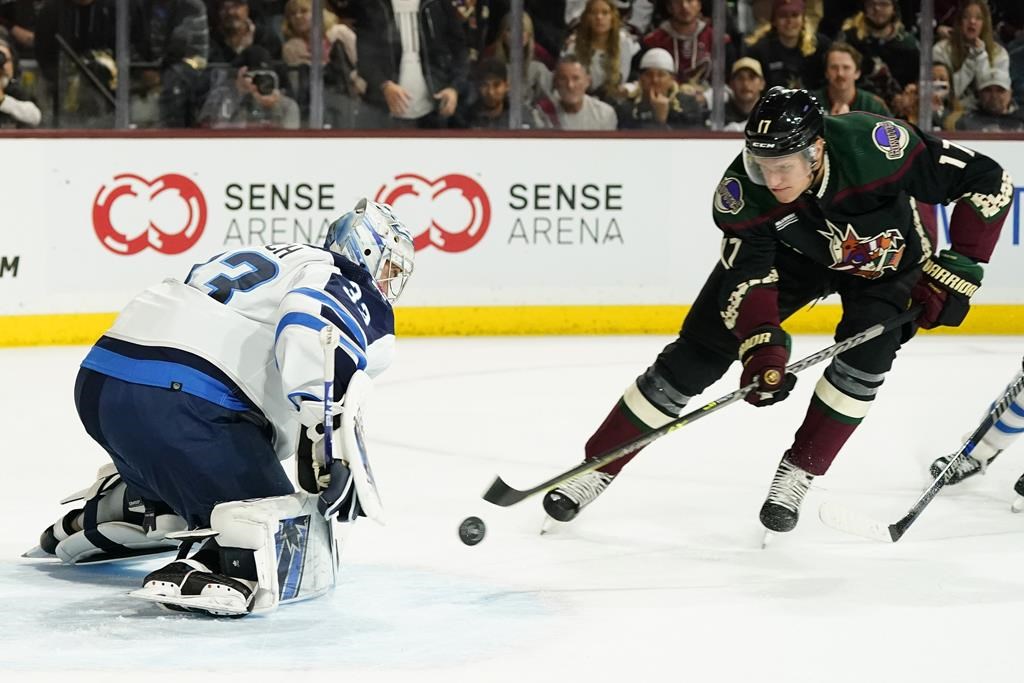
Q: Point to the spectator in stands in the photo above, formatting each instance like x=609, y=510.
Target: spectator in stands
x=753, y=16
x=409, y=83
x=17, y=110
x=1015, y=50
x=605, y=48
x=175, y=35
x=85, y=25
x=549, y=26
x=235, y=30
x=491, y=108
x=841, y=94
x=791, y=54
x=19, y=18
x=995, y=110
x=661, y=103
x=343, y=86
x=536, y=76
x=573, y=108
x=891, y=55
x=251, y=97
x=687, y=37
x=946, y=108
x=475, y=16
x=746, y=82
x=636, y=14
x=971, y=50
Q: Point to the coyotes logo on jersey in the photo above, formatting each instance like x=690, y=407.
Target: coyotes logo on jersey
x=868, y=256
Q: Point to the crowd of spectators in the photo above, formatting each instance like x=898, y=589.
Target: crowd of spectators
x=586, y=64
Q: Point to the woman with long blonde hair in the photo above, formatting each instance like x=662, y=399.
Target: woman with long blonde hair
x=971, y=49
x=604, y=47
x=791, y=53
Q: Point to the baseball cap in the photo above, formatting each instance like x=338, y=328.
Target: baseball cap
x=747, y=63
x=658, y=58
x=994, y=77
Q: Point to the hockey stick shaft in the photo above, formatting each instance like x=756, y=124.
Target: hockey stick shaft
x=503, y=495
x=897, y=529
x=328, y=342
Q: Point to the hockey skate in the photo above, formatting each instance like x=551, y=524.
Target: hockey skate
x=565, y=501
x=781, y=509
x=189, y=586
x=965, y=466
x=1018, y=488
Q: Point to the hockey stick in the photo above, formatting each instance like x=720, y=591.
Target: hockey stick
x=843, y=519
x=329, y=342
x=503, y=495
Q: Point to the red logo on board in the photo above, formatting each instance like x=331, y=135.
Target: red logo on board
x=451, y=213
x=131, y=213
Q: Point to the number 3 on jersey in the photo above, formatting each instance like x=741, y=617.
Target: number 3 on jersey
x=355, y=294
x=261, y=270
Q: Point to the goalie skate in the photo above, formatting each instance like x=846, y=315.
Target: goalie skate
x=965, y=467
x=189, y=586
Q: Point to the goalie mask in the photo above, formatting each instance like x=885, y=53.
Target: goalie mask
x=371, y=236
x=783, y=123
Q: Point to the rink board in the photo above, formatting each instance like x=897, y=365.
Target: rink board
x=514, y=236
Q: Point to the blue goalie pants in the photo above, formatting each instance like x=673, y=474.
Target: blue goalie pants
x=180, y=449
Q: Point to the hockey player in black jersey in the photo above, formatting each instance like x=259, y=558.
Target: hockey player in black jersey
x=814, y=206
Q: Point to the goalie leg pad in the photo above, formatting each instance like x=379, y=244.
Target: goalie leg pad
x=281, y=549
x=111, y=525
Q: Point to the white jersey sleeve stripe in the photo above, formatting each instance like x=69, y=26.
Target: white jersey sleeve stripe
x=354, y=330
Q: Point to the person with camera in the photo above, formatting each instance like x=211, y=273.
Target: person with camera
x=252, y=98
x=17, y=110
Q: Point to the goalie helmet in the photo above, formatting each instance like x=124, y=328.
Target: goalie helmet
x=782, y=123
x=371, y=236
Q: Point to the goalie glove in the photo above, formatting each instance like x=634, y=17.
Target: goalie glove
x=764, y=354
x=948, y=281
x=333, y=485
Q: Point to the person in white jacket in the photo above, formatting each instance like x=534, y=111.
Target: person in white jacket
x=972, y=50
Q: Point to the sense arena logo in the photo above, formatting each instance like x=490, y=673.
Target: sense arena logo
x=451, y=213
x=131, y=213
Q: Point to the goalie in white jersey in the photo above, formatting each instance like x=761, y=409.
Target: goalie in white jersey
x=202, y=387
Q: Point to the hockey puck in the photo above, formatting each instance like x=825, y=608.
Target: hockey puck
x=472, y=530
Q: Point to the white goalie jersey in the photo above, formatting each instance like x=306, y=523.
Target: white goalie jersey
x=242, y=331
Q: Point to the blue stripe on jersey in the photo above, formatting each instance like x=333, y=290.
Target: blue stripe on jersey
x=299, y=396
x=1007, y=429
x=1017, y=409
x=157, y=373
x=354, y=328
x=316, y=323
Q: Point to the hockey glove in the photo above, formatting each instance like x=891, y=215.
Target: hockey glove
x=947, y=283
x=764, y=354
x=338, y=493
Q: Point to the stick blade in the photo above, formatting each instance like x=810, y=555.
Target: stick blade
x=849, y=521
x=502, y=494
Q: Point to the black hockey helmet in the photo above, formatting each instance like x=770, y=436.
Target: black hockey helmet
x=783, y=122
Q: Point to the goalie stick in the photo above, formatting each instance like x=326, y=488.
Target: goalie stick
x=503, y=495
x=850, y=521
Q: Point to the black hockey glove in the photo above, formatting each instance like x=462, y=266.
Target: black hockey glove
x=764, y=354
x=948, y=281
x=338, y=495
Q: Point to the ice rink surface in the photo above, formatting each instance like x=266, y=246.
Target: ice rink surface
x=662, y=579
